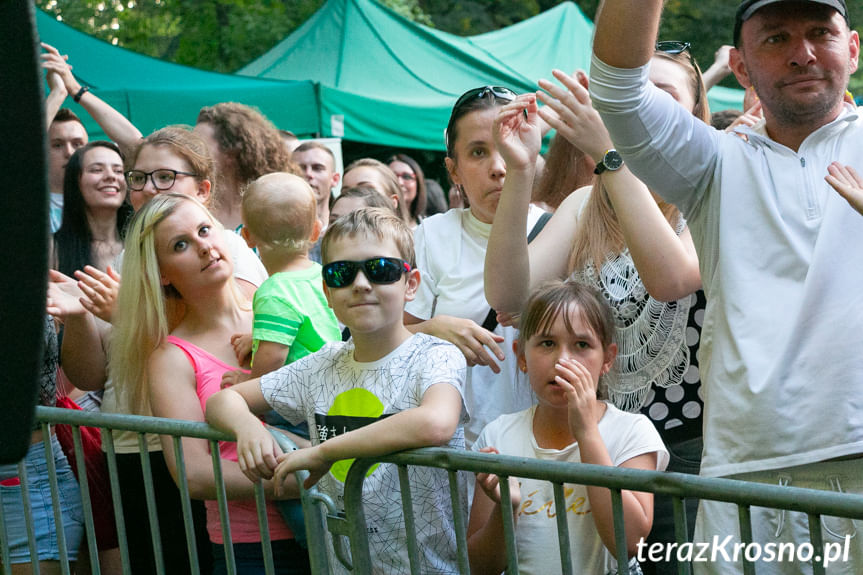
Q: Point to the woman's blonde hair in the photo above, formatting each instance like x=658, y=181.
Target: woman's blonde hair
x=142, y=323
x=599, y=234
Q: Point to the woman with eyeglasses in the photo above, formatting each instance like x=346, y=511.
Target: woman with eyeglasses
x=413, y=185
x=176, y=159
x=450, y=247
x=175, y=250
x=619, y=238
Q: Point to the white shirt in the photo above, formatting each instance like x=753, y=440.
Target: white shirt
x=625, y=435
x=781, y=263
x=335, y=394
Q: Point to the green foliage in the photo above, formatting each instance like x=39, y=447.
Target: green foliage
x=410, y=9
x=469, y=17
x=224, y=35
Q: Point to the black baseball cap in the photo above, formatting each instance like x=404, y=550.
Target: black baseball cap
x=749, y=7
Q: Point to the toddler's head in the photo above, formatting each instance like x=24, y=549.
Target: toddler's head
x=280, y=214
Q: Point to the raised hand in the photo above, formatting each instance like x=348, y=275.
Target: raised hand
x=749, y=118
x=517, y=132
x=100, y=291
x=848, y=183
x=53, y=61
x=570, y=112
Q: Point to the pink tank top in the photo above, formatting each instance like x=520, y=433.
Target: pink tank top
x=243, y=513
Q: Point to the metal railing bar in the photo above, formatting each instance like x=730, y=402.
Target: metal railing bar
x=562, y=529
x=89, y=524
x=150, y=497
x=459, y=526
x=410, y=524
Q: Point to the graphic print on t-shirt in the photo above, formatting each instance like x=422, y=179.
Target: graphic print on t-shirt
x=351, y=409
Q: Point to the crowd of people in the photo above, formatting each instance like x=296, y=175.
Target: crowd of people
x=664, y=290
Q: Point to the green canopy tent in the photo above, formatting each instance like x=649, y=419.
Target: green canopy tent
x=389, y=81
x=153, y=93
x=383, y=79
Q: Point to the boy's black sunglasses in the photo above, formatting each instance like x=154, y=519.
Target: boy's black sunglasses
x=377, y=270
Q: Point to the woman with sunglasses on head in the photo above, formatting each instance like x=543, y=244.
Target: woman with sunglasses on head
x=175, y=250
x=413, y=185
x=450, y=302
x=617, y=237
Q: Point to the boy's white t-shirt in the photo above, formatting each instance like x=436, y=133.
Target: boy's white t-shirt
x=334, y=394
x=626, y=435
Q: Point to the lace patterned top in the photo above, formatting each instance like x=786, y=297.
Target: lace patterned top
x=656, y=342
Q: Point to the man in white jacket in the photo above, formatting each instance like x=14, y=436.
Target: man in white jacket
x=779, y=251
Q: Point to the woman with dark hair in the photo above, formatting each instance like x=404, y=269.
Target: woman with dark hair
x=96, y=209
x=413, y=185
x=450, y=250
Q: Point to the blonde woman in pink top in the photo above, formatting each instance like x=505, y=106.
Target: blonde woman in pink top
x=175, y=250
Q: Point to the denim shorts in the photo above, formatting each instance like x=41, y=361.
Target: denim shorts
x=42, y=510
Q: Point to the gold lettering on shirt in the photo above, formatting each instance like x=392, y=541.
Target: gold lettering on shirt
x=575, y=505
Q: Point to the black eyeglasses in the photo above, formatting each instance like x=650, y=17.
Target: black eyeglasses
x=377, y=270
x=672, y=46
x=162, y=179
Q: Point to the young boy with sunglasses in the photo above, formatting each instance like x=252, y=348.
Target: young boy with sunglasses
x=384, y=390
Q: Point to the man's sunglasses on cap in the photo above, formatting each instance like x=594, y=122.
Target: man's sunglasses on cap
x=377, y=270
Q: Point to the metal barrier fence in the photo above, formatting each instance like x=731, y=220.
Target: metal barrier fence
x=351, y=525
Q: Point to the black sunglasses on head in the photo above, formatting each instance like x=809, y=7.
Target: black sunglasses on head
x=377, y=270
x=501, y=92
x=672, y=46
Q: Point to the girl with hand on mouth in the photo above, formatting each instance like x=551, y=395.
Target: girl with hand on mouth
x=566, y=343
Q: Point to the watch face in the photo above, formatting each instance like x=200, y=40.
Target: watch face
x=612, y=160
